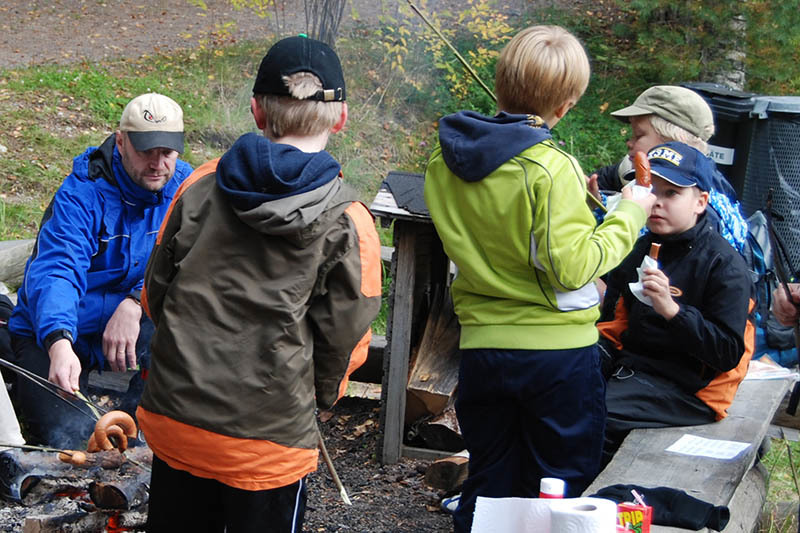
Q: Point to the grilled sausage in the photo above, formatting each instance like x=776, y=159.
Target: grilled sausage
x=118, y=424
x=642, y=166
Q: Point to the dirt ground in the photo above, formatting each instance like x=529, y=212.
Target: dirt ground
x=385, y=498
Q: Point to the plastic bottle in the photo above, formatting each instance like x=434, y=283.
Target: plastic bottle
x=551, y=487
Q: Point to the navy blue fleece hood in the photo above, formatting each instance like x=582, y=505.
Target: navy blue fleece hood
x=474, y=145
x=256, y=170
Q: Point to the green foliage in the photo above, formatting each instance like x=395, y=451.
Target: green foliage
x=478, y=31
x=669, y=41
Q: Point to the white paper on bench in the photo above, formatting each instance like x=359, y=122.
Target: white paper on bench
x=713, y=448
x=759, y=370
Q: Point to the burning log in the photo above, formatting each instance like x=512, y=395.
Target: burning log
x=120, y=494
x=88, y=522
x=106, y=460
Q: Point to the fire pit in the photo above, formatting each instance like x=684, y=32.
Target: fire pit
x=108, y=493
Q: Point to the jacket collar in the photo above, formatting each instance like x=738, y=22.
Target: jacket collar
x=106, y=163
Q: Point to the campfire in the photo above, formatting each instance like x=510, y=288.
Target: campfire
x=107, y=493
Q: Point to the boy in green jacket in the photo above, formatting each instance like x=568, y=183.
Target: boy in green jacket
x=509, y=207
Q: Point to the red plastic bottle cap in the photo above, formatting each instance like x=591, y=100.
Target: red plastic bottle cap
x=551, y=487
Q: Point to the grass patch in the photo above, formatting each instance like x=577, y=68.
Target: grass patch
x=783, y=463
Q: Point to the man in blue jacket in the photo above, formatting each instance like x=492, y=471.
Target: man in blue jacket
x=78, y=306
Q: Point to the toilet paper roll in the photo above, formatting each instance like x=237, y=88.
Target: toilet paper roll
x=583, y=515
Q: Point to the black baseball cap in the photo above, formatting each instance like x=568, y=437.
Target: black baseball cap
x=301, y=54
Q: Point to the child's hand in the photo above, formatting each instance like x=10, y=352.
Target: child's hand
x=656, y=285
x=593, y=187
x=646, y=201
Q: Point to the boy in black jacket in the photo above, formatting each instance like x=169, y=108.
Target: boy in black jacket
x=679, y=344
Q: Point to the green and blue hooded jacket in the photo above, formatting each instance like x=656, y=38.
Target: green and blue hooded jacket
x=509, y=206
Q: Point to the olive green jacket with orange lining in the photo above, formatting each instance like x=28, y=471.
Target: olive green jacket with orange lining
x=254, y=328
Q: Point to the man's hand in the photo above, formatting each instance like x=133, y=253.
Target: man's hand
x=65, y=367
x=656, y=285
x=785, y=311
x=119, y=337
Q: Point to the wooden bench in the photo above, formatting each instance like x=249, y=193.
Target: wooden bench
x=739, y=483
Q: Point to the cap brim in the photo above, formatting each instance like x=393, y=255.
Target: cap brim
x=631, y=111
x=678, y=181
x=147, y=140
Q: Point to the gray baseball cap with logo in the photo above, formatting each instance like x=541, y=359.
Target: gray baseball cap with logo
x=153, y=121
x=678, y=105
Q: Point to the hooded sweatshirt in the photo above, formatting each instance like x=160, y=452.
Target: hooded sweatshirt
x=510, y=209
x=262, y=286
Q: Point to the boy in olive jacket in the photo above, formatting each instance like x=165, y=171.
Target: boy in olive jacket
x=509, y=207
x=262, y=287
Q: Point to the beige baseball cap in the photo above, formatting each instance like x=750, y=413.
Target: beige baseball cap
x=153, y=121
x=679, y=105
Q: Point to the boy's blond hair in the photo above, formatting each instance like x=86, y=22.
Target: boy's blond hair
x=540, y=69
x=672, y=132
x=291, y=115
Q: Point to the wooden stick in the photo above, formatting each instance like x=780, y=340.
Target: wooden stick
x=327, y=458
x=453, y=49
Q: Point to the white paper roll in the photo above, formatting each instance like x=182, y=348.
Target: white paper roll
x=583, y=515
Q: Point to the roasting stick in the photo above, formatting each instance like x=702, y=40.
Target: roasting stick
x=55, y=390
x=88, y=403
x=332, y=470
x=36, y=448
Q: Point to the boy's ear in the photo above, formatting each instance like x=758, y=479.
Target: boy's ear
x=702, y=201
x=563, y=108
x=342, y=120
x=258, y=114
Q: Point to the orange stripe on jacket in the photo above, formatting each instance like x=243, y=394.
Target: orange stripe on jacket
x=719, y=393
x=612, y=329
x=248, y=464
x=200, y=172
x=357, y=358
x=369, y=247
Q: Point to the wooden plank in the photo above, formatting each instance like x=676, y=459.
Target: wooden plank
x=642, y=459
x=425, y=454
x=398, y=342
x=434, y=375
x=745, y=506
x=748, y=500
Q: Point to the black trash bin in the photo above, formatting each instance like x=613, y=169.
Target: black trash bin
x=729, y=146
x=773, y=161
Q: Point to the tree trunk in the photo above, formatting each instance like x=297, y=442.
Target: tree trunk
x=728, y=61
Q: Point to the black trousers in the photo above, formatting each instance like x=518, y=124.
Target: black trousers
x=525, y=415
x=180, y=501
x=636, y=399
x=50, y=420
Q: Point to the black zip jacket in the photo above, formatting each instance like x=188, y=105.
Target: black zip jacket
x=711, y=283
